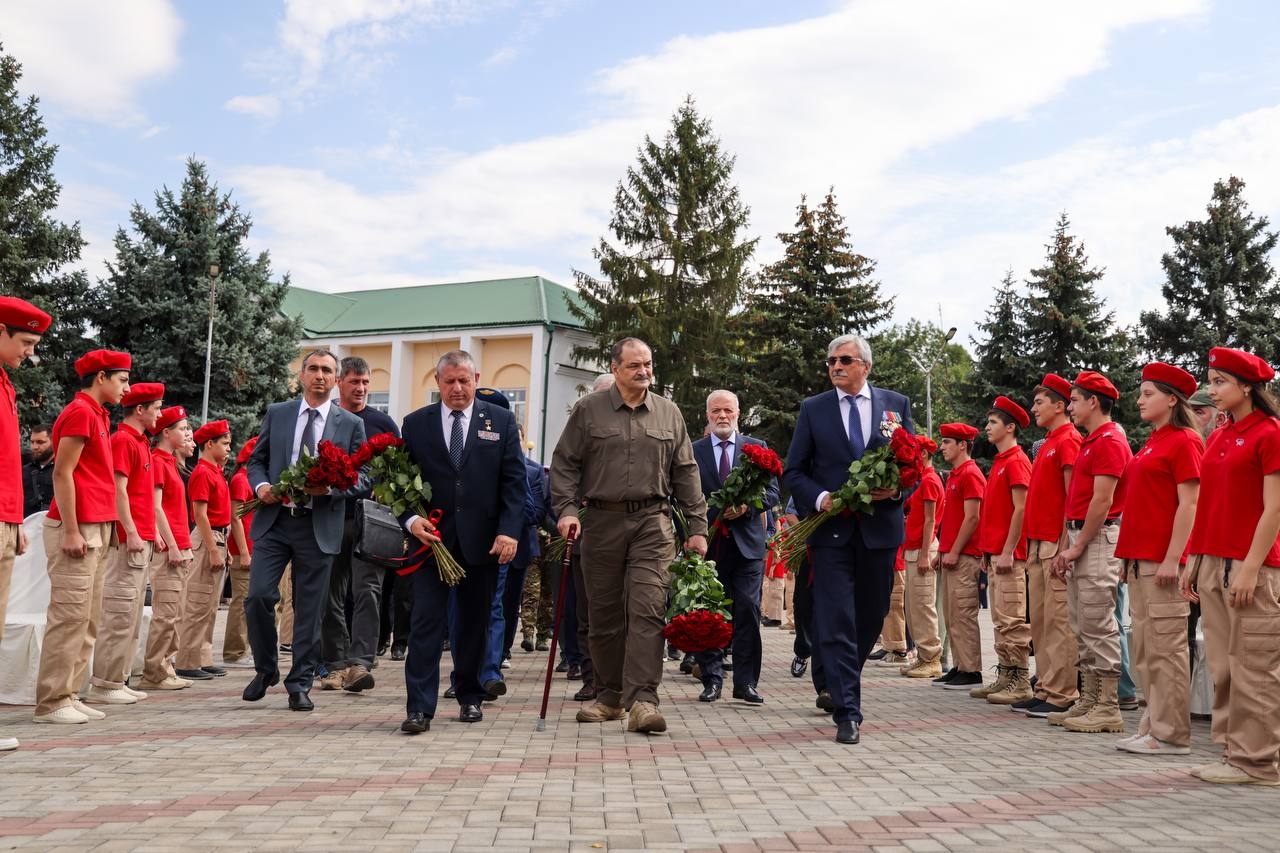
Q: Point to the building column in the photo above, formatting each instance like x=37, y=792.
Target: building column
x=537, y=393
x=400, y=390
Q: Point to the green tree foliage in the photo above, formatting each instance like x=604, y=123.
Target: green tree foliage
x=36, y=250
x=155, y=303
x=1001, y=365
x=1220, y=288
x=819, y=290
x=898, y=353
x=675, y=272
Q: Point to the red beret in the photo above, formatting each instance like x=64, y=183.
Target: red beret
x=1057, y=385
x=1246, y=365
x=102, y=359
x=168, y=417
x=212, y=430
x=928, y=445
x=1096, y=383
x=1013, y=410
x=243, y=456
x=142, y=392
x=958, y=431
x=20, y=315
x=1167, y=374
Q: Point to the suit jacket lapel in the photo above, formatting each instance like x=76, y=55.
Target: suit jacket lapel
x=330, y=424
x=832, y=402
x=705, y=456
x=877, y=415
x=473, y=426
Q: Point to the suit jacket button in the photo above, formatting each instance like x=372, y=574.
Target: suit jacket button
x=457, y=482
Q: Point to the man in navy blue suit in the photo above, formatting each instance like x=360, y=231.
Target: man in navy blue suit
x=738, y=552
x=469, y=452
x=852, y=556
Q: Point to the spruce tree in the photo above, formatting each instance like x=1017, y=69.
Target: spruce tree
x=676, y=269
x=1000, y=362
x=37, y=249
x=820, y=289
x=1220, y=288
x=155, y=303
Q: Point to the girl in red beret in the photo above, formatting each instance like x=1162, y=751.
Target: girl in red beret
x=1162, y=483
x=1234, y=570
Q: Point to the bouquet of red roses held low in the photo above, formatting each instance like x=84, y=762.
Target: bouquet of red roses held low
x=330, y=468
x=698, y=619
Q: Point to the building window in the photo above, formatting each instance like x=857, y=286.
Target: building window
x=380, y=400
x=519, y=404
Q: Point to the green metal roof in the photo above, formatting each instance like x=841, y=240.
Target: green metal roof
x=456, y=305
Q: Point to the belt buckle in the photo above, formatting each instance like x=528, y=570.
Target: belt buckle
x=634, y=506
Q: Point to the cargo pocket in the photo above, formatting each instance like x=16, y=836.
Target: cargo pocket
x=1046, y=550
x=1260, y=642
x=1096, y=606
x=69, y=597
x=1169, y=617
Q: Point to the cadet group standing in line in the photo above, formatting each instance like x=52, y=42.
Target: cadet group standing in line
x=1184, y=521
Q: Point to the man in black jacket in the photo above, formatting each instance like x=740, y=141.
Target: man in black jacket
x=37, y=475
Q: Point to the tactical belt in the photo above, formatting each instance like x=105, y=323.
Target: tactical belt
x=627, y=506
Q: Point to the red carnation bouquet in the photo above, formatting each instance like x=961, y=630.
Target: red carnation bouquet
x=895, y=466
x=330, y=468
x=746, y=483
x=698, y=618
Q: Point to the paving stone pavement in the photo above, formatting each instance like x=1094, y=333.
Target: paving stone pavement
x=200, y=769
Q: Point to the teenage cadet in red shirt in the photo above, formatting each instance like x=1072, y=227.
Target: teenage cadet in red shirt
x=1005, y=550
x=171, y=562
x=211, y=506
x=924, y=512
x=1235, y=569
x=1095, y=500
x=126, y=580
x=960, y=558
x=21, y=327
x=1042, y=525
x=1161, y=484
x=78, y=534
x=235, y=639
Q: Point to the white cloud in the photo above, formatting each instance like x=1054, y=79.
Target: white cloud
x=259, y=106
x=91, y=58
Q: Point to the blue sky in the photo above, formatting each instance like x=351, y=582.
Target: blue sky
x=408, y=141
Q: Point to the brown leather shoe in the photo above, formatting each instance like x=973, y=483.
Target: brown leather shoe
x=646, y=719
x=587, y=692
x=333, y=681
x=598, y=712
x=356, y=679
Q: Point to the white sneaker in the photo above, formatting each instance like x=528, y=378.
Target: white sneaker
x=1130, y=739
x=104, y=696
x=243, y=662
x=898, y=659
x=66, y=715
x=91, y=713
x=8, y=743
x=136, y=694
x=1152, y=745
x=172, y=682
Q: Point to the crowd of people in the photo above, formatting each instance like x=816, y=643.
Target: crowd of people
x=149, y=506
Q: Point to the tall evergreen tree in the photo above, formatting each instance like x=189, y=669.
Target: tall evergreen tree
x=155, y=302
x=820, y=289
x=677, y=270
x=1000, y=362
x=36, y=250
x=1220, y=288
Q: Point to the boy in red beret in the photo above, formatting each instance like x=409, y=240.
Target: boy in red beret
x=919, y=552
x=960, y=558
x=235, y=639
x=21, y=327
x=78, y=535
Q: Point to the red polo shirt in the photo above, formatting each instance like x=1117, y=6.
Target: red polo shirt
x=95, y=481
x=1170, y=457
x=131, y=457
x=1047, y=494
x=206, y=484
x=1238, y=456
x=10, y=453
x=1103, y=453
x=173, y=495
x=240, y=491
x=930, y=489
x=1009, y=469
x=965, y=483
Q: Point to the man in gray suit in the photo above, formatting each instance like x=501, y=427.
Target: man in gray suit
x=306, y=536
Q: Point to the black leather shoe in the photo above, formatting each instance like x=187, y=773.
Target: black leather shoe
x=563, y=666
x=748, y=694
x=382, y=649
x=710, y=692
x=574, y=673
x=470, y=714
x=495, y=688
x=847, y=732
x=286, y=648
x=799, y=666
x=193, y=674
x=215, y=671
x=825, y=702
x=586, y=693
x=526, y=644
x=300, y=701
x=257, y=688
x=399, y=652
x=415, y=724
x=451, y=693
x=770, y=623
x=686, y=664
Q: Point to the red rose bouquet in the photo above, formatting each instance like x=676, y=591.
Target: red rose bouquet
x=746, y=483
x=697, y=620
x=330, y=468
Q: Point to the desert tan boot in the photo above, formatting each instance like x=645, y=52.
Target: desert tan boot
x=646, y=718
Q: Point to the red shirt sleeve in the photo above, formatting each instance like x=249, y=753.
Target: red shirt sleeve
x=1067, y=453
x=240, y=490
x=931, y=490
x=1186, y=465
x=1109, y=456
x=198, y=487
x=77, y=421
x=1020, y=472
x=972, y=486
x=1269, y=452
x=122, y=461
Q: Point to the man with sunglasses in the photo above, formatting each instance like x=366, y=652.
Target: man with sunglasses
x=852, y=555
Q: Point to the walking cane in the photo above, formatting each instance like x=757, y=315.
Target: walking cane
x=565, y=571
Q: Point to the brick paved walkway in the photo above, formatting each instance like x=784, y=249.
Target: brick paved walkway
x=936, y=770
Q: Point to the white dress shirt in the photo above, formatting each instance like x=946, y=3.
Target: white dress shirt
x=721, y=451
x=862, y=399
x=446, y=421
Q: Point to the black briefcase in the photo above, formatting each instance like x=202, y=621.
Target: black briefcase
x=379, y=538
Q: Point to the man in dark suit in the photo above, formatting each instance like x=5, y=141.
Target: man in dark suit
x=529, y=550
x=307, y=537
x=469, y=452
x=852, y=555
x=738, y=551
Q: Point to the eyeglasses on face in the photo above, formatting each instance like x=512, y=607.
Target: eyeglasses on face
x=845, y=360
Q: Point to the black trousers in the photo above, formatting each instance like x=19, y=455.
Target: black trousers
x=397, y=605
x=512, y=593
x=429, y=628
x=290, y=540
x=342, y=646
x=582, y=610
x=743, y=579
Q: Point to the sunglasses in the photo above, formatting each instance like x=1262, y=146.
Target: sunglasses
x=845, y=360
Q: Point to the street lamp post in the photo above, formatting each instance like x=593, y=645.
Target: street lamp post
x=927, y=370
x=208, y=347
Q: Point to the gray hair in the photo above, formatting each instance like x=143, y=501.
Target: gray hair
x=603, y=381
x=615, y=351
x=456, y=358
x=721, y=392
x=864, y=348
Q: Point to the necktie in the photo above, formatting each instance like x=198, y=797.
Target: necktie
x=455, y=441
x=855, y=429
x=308, y=445
x=724, y=461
